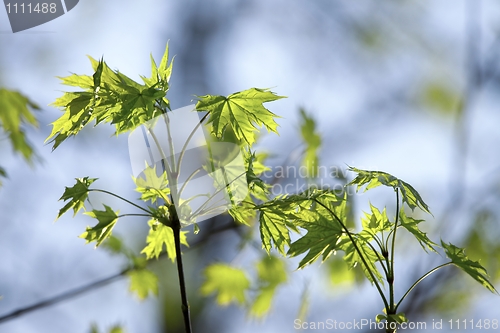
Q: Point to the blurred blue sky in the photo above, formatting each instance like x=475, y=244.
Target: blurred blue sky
x=362, y=69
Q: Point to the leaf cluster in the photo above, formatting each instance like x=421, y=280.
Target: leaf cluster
x=15, y=114
x=111, y=97
x=315, y=224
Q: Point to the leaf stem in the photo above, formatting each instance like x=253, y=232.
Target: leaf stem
x=121, y=198
x=420, y=280
x=388, y=238
x=183, y=150
x=125, y=215
x=357, y=250
x=379, y=258
x=170, y=143
x=390, y=278
x=166, y=166
x=188, y=179
x=215, y=193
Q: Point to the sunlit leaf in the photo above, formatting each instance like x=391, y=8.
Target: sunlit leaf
x=244, y=212
x=399, y=318
x=376, y=221
x=322, y=234
x=255, y=184
x=77, y=195
x=374, y=179
x=228, y=283
x=472, y=268
x=15, y=113
x=352, y=256
x=112, y=97
x=143, y=282
x=242, y=111
x=151, y=186
x=107, y=219
x=285, y=213
x=395, y=318
x=161, y=236
x=411, y=225
x=274, y=230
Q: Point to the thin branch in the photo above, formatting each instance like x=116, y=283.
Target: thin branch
x=420, y=280
x=64, y=296
x=102, y=282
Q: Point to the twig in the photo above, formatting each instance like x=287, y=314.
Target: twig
x=99, y=283
x=64, y=296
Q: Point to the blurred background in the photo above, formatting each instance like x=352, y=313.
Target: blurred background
x=407, y=87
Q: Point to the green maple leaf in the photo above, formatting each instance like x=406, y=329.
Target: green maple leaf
x=352, y=257
x=274, y=230
x=160, y=75
x=244, y=212
x=242, y=112
x=271, y=272
x=229, y=284
x=285, y=213
x=143, y=282
x=15, y=113
x=323, y=233
x=375, y=222
x=107, y=219
x=112, y=97
x=374, y=179
x=255, y=184
x=77, y=195
x=313, y=143
x=152, y=186
x=161, y=236
x=473, y=268
x=411, y=225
